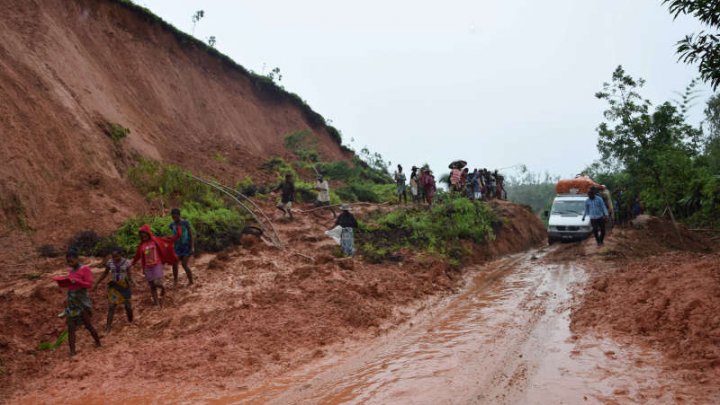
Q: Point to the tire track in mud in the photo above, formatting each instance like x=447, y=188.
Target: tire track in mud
x=473, y=347
x=504, y=340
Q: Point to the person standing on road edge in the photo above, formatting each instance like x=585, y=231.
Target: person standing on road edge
x=119, y=289
x=184, y=246
x=414, y=185
x=323, y=197
x=596, y=209
x=400, y=179
x=79, y=306
x=348, y=223
x=288, y=195
x=429, y=186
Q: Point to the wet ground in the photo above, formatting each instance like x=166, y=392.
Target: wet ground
x=505, y=339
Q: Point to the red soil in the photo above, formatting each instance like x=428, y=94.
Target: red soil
x=68, y=66
x=650, y=289
x=256, y=311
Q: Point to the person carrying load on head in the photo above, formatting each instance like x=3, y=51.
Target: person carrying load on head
x=79, y=306
x=595, y=208
x=323, y=197
x=400, y=180
x=348, y=223
x=119, y=289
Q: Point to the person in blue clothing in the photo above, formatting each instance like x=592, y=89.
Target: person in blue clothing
x=598, y=212
x=184, y=247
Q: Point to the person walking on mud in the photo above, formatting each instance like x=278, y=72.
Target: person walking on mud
x=152, y=253
x=79, y=306
x=400, y=180
x=346, y=220
x=119, y=289
x=184, y=246
x=323, y=197
x=596, y=209
x=287, y=196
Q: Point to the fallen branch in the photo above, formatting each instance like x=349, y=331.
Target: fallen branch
x=302, y=255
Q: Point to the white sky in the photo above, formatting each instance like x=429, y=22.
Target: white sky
x=494, y=82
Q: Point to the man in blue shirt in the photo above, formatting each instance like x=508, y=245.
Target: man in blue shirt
x=184, y=247
x=596, y=209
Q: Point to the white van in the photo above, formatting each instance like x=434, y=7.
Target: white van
x=565, y=218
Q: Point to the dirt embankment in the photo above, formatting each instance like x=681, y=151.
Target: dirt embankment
x=69, y=67
x=255, y=312
x=649, y=288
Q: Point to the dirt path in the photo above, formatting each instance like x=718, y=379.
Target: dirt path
x=504, y=339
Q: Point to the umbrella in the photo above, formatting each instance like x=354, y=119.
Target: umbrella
x=458, y=163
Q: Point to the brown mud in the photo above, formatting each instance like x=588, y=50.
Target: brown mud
x=69, y=67
x=655, y=291
x=255, y=312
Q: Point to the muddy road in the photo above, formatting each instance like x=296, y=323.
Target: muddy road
x=504, y=339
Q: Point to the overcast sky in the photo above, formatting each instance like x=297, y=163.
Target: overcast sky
x=495, y=82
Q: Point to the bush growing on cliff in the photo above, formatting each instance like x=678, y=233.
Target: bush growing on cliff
x=437, y=230
x=213, y=229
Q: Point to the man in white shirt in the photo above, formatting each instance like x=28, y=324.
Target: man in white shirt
x=323, y=198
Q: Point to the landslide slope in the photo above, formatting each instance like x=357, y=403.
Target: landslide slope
x=69, y=67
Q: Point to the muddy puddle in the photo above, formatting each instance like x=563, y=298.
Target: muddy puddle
x=505, y=339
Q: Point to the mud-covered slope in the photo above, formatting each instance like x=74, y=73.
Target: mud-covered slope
x=69, y=66
x=254, y=312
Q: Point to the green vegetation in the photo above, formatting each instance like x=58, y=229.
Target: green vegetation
x=437, y=231
x=703, y=48
x=12, y=205
x=116, y=132
x=657, y=155
x=532, y=189
x=219, y=157
x=215, y=225
x=214, y=229
x=53, y=345
x=304, y=145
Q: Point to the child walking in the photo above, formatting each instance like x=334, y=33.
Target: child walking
x=119, y=290
x=184, y=246
x=79, y=307
x=152, y=252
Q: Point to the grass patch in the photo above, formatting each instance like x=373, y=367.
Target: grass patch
x=437, y=231
x=54, y=345
x=219, y=157
x=214, y=229
x=116, y=132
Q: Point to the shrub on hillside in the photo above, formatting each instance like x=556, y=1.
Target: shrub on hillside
x=437, y=230
x=213, y=229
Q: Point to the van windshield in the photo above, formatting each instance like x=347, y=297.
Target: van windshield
x=569, y=208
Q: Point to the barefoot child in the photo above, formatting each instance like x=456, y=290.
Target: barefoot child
x=152, y=252
x=184, y=247
x=79, y=306
x=119, y=287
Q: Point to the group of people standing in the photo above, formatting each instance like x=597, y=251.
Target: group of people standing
x=152, y=253
x=422, y=185
x=479, y=185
